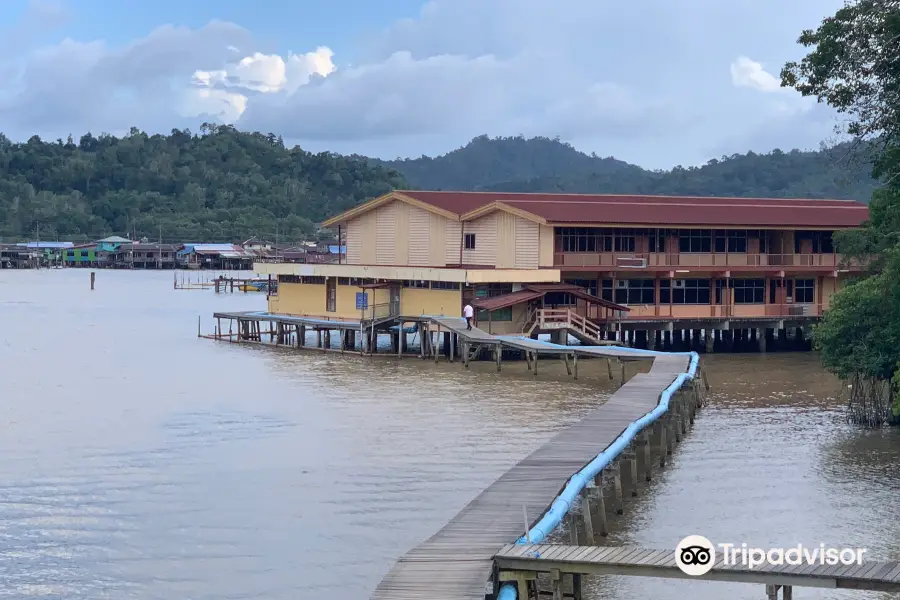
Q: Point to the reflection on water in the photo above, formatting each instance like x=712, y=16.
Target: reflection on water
x=142, y=462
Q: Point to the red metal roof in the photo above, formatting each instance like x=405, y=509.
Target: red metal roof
x=598, y=209
x=504, y=300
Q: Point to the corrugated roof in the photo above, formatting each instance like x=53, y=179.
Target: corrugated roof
x=504, y=300
x=598, y=209
x=114, y=239
x=49, y=245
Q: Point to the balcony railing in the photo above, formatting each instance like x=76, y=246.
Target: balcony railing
x=687, y=312
x=637, y=260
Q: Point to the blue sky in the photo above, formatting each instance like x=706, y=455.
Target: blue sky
x=653, y=82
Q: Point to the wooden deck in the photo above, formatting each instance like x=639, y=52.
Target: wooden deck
x=457, y=561
x=643, y=562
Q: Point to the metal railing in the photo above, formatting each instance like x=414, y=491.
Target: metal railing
x=638, y=260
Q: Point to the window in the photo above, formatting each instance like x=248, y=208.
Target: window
x=343, y=280
x=445, y=285
x=470, y=241
x=165, y=255
x=312, y=280
x=501, y=314
x=588, y=285
x=606, y=290
x=635, y=291
x=658, y=240
x=737, y=241
x=695, y=240
x=749, y=291
x=684, y=291
x=817, y=242
x=415, y=283
x=804, y=291
x=623, y=240
x=559, y=299
x=70, y=253
x=289, y=279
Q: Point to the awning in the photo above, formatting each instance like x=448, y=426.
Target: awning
x=505, y=300
x=576, y=291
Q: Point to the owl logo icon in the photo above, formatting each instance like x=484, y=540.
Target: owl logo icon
x=695, y=555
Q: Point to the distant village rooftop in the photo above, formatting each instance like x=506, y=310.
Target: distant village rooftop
x=628, y=210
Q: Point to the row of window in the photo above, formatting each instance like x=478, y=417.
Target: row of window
x=588, y=239
x=358, y=281
x=688, y=291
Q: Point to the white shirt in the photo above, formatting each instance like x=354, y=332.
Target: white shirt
x=468, y=312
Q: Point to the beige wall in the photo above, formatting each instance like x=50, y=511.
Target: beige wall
x=545, y=252
x=485, y=251
x=401, y=234
x=453, y=255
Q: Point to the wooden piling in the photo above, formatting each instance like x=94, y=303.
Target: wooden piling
x=93, y=278
x=586, y=515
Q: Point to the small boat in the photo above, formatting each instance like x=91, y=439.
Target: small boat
x=255, y=286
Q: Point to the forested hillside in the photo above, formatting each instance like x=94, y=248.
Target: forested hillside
x=224, y=185
x=221, y=185
x=544, y=165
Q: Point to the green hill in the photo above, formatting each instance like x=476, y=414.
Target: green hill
x=545, y=165
x=222, y=185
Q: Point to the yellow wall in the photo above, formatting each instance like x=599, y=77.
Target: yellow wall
x=300, y=299
x=415, y=301
x=506, y=327
x=308, y=300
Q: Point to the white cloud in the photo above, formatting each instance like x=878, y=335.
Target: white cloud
x=749, y=73
x=641, y=80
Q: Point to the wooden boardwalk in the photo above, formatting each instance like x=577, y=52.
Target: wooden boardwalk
x=457, y=561
x=644, y=562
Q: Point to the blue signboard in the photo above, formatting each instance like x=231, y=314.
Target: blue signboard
x=362, y=300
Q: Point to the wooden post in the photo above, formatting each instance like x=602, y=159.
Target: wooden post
x=534, y=359
x=556, y=584
x=93, y=277
x=198, y=316
x=452, y=346
x=586, y=515
x=435, y=351
x=663, y=445
x=568, y=366
x=618, y=503
x=573, y=528
x=645, y=449
x=609, y=368
x=603, y=527
x=623, y=374
x=498, y=355
x=575, y=365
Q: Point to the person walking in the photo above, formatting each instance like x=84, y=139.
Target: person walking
x=468, y=313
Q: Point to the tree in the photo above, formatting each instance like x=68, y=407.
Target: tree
x=854, y=66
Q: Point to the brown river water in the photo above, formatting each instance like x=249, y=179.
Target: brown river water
x=138, y=461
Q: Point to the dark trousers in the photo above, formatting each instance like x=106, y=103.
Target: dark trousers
x=469, y=323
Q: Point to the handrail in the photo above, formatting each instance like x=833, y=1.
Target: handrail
x=580, y=480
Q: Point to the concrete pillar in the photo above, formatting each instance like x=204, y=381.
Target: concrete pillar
x=761, y=339
x=446, y=344
x=677, y=339
x=667, y=340
x=560, y=337
x=782, y=338
x=586, y=515
x=618, y=503
x=709, y=339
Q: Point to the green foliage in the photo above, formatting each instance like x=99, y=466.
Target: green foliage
x=854, y=65
x=860, y=332
x=548, y=166
x=222, y=185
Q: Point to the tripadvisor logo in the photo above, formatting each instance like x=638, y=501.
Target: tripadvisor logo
x=695, y=555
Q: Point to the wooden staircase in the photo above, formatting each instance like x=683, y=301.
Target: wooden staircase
x=545, y=320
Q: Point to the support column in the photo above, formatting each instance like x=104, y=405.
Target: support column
x=709, y=340
x=586, y=515
x=602, y=526
x=761, y=338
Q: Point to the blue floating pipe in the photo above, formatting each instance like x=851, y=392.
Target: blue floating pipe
x=554, y=516
x=508, y=592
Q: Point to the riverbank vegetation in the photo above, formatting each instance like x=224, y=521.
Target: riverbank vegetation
x=220, y=185
x=854, y=66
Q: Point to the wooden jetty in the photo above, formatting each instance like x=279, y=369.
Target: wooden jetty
x=458, y=562
x=565, y=565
